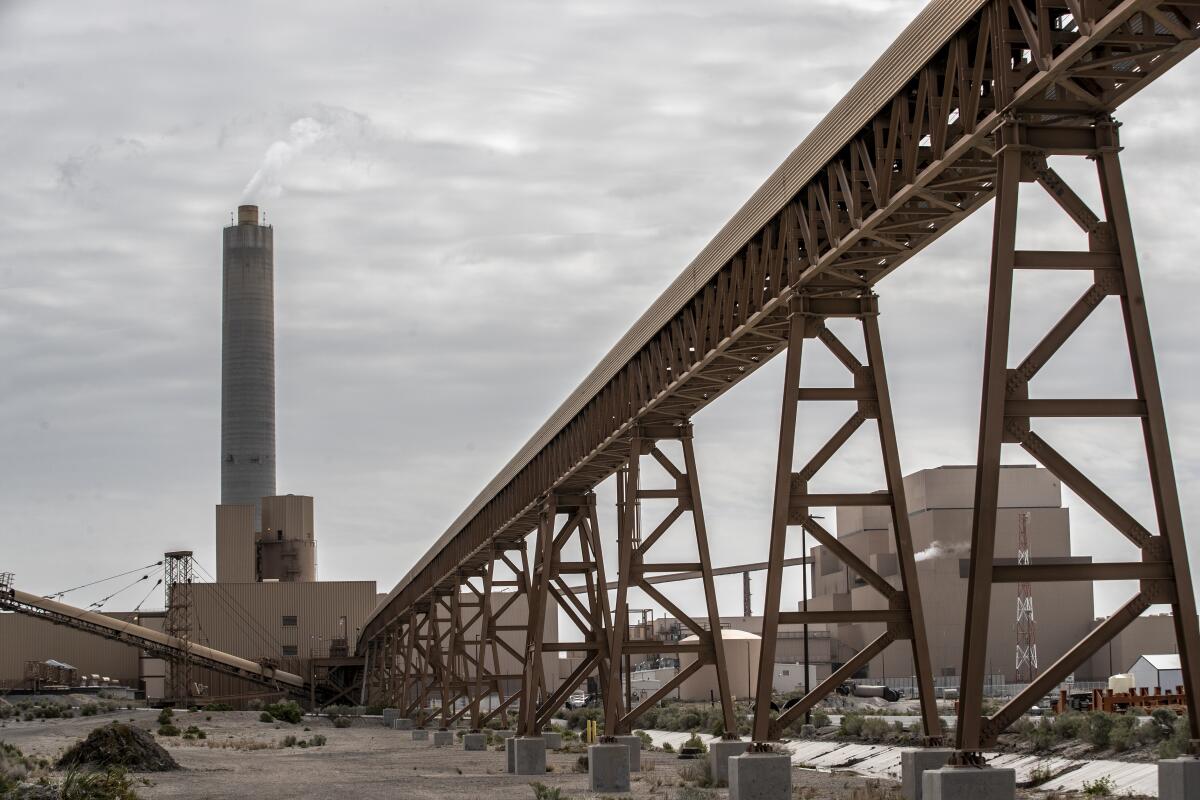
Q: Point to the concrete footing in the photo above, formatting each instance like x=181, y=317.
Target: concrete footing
x=402, y=724
x=443, y=738
x=760, y=776
x=634, y=743
x=1178, y=778
x=975, y=783
x=719, y=753
x=608, y=767
x=553, y=740
x=913, y=764
x=475, y=741
x=420, y=734
x=526, y=755
x=390, y=715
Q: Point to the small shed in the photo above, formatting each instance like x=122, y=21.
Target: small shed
x=1161, y=671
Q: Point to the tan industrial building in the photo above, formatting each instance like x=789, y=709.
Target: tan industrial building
x=940, y=503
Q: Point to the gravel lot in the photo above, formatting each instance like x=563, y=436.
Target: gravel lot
x=365, y=761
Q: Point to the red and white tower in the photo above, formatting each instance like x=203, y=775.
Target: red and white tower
x=1027, y=660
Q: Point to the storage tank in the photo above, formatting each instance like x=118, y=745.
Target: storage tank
x=248, y=362
x=742, y=650
x=1122, y=683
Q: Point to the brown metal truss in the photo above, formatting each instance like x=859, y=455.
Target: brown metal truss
x=875, y=194
x=920, y=165
x=903, y=616
x=634, y=570
x=590, y=615
x=1007, y=412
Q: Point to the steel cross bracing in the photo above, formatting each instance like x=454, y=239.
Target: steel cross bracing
x=634, y=570
x=909, y=153
x=1008, y=413
x=901, y=613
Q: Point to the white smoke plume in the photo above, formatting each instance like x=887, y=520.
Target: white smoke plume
x=303, y=133
x=940, y=550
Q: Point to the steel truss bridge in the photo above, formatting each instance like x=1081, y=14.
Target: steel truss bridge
x=974, y=98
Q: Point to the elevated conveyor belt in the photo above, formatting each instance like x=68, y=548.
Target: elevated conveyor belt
x=905, y=156
x=153, y=642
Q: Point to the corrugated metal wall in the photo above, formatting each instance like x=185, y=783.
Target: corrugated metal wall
x=24, y=639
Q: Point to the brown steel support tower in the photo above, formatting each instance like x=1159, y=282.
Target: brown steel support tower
x=591, y=615
x=1008, y=412
x=634, y=570
x=903, y=618
x=177, y=586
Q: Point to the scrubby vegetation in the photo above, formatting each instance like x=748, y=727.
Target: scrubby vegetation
x=285, y=711
x=1164, y=731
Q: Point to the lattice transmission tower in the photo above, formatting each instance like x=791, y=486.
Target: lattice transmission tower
x=177, y=582
x=1027, y=659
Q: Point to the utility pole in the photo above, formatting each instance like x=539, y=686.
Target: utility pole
x=746, y=595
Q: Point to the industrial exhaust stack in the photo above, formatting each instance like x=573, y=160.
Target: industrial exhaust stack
x=248, y=363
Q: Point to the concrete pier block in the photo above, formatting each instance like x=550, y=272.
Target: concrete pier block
x=510, y=754
x=634, y=743
x=975, y=783
x=719, y=753
x=528, y=755
x=402, y=724
x=1178, y=778
x=390, y=715
x=553, y=740
x=420, y=734
x=443, y=738
x=608, y=767
x=913, y=764
x=760, y=776
x=475, y=741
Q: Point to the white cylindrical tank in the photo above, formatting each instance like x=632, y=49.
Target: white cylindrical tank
x=742, y=650
x=1122, y=683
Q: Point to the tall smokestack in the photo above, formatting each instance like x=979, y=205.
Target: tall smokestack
x=248, y=363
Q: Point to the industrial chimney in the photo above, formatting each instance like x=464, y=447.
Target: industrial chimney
x=248, y=363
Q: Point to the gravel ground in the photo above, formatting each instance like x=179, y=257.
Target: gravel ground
x=369, y=761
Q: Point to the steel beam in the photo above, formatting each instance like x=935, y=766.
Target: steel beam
x=1007, y=415
x=793, y=501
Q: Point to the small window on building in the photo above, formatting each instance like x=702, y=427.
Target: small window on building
x=289, y=621
x=290, y=650
x=785, y=672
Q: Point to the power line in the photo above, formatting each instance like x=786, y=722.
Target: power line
x=252, y=626
x=102, y=580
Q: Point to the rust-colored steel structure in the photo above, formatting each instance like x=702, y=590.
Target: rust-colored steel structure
x=970, y=101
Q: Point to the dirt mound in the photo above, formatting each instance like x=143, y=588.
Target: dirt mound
x=119, y=745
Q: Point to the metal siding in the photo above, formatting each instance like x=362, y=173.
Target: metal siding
x=223, y=611
x=29, y=639
x=235, y=544
x=919, y=42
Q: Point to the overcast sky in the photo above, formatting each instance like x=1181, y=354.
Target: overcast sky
x=472, y=201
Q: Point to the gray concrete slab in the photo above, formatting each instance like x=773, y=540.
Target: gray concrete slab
x=1179, y=779
x=443, y=738
x=529, y=755
x=553, y=740
x=402, y=724
x=390, y=715
x=719, y=753
x=475, y=741
x=634, y=743
x=420, y=734
x=760, y=776
x=969, y=783
x=510, y=754
x=913, y=764
x=608, y=767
